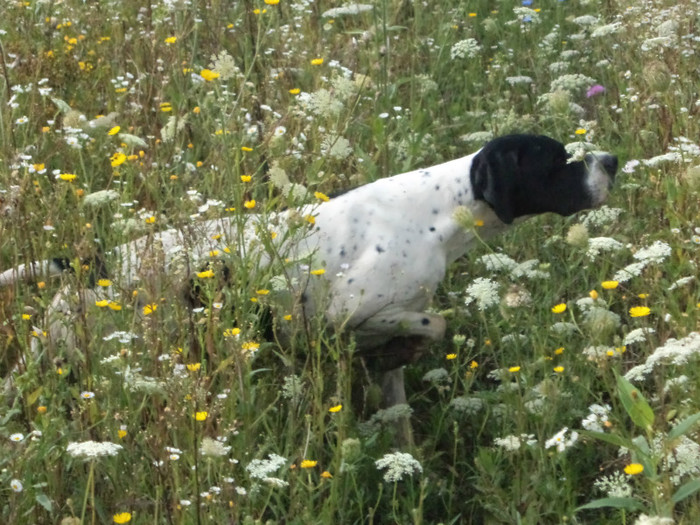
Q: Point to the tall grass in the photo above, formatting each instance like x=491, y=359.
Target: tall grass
x=188, y=110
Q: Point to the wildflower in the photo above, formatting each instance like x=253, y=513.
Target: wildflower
x=398, y=465
x=201, y=415
x=117, y=159
x=213, y=448
x=17, y=437
x=114, y=130
x=249, y=204
x=319, y=271
x=609, y=285
x=560, y=440
x=232, y=332
x=272, y=2
x=484, y=291
x=513, y=443
x=122, y=517
x=16, y=485
x=171, y=40
x=468, y=48
x=634, y=468
x=294, y=91
x=150, y=219
x=102, y=303
x=262, y=468
x=580, y=131
x=514, y=369
x=449, y=357
x=559, y=308
x=206, y=274
x=68, y=177
x=262, y=291
x=41, y=409
x=336, y=408
x=558, y=369
x=308, y=463
x=209, y=75
x=93, y=449
x=639, y=311
x=321, y=196
x=104, y=283
x=326, y=475
x=149, y=309
x=597, y=418
x=121, y=433
x=194, y=367
x=595, y=90
x=246, y=178
x=317, y=61
x=85, y=394
x=559, y=351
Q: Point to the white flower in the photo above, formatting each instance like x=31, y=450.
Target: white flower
x=98, y=198
x=602, y=244
x=572, y=82
x=678, y=352
x=397, y=465
x=484, y=292
x=262, y=468
x=437, y=376
x=638, y=335
x=17, y=437
x=681, y=282
x=643, y=519
x=655, y=253
x=629, y=271
x=213, y=447
x=560, y=440
x=602, y=216
x=93, y=449
x=520, y=79
x=336, y=147
x=467, y=405
x=495, y=262
x=468, y=48
x=513, y=443
x=16, y=485
x=585, y=20
x=616, y=485
x=87, y=395
x=607, y=29
x=597, y=417
x=348, y=9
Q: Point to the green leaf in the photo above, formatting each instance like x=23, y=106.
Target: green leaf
x=43, y=500
x=133, y=140
x=684, y=426
x=636, y=406
x=618, y=503
x=61, y=105
x=686, y=490
x=611, y=438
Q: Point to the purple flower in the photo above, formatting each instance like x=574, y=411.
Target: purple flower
x=595, y=89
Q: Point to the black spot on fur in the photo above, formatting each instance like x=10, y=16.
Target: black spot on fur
x=379, y=249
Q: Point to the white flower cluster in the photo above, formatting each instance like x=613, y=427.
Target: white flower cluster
x=467, y=405
x=638, y=335
x=468, y=48
x=262, y=468
x=347, y=9
x=676, y=352
x=602, y=244
x=656, y=253
x=513, y=443
x=398, y=465
x=601, y=217
x=597, y=416
x=484, y=291
x=616, y=485
x=92, y=449
x=561, y=440
x=573, y=83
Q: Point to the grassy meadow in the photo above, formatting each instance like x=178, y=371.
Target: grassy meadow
x=568, y=388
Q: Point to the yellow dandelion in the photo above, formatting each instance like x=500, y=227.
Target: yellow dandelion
x=246, y=148
x=171, y=40
x=196, y=110
x=514, y=369
x=232, y=332
x=150, y=219
x=593, y=294
x=326, y=475
x=114, y=306
x=288, y=317
x=206, y=274
x=320, y=271
x=121, y=433
x=104, y=283
x=209, y=75
x=473, y=365
x=41, y=409
x=201, y=416
x=103, y=303
x=643, y=295
x=250, y=346
x=194, y=367
x=310, y=219
x=114, y=130
x=122, y=517
x=308, y=463
x=559, y=308
x=634, y=468
x=249, y=204
x=609, y=285
x=68, y=177
x=262, y=291
x=26, y=317
x=317, y=61
x=559, y=351
x=336, y=408
x=117, y=159
x=558, y=369
x=639, y=311
x=449, y=357
x=580, y=131
x=321, y=196
x=246, y=178
x=272, y=2
x=150, y=308
x=294, y=91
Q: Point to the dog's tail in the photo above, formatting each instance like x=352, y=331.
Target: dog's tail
x=33, y=271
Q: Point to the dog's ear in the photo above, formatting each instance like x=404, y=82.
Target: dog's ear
x=493, y=179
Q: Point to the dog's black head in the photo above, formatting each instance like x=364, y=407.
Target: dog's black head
x=521, y=175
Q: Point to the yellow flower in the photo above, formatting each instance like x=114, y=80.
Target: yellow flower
x=246, y=148
x=232, y=332
x=194, y=367
x=171, y=40
x=249, y=204
x=117, y=159
x=246, y=178
x=201, y=416
x=473, y=365
x=643, y=295
x=104, y=283
x=559, y=369
x=514, y=369
x=102, y=303
x=321, y=196
x=250, y=346
x=336, y=408
x=272, y=2
x=639, y=311
x=121, y=433
x=165, y=107
x=208, y=75
x=288, y=317
x=41, y=409
x=206, y=274
x=262, y=291
x=294, y=91
x=122, y=517
x=308, y=463
x=609, y=285
x=634, y=468
x=114, y=130
x=559, y=351
x=150, y=219
x=449, y=357
x=310, y=219
x=593, y=294
x=580, y=131
x=196, y=110
x=317, y=61
x=114, y=306
x=68, y=177
x=26, y=317
x=149, y=309
x=320, y=271
x=472, y=15
x=326, y=475
x=559, y=308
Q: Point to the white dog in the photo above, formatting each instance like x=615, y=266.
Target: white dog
x=371, y=259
